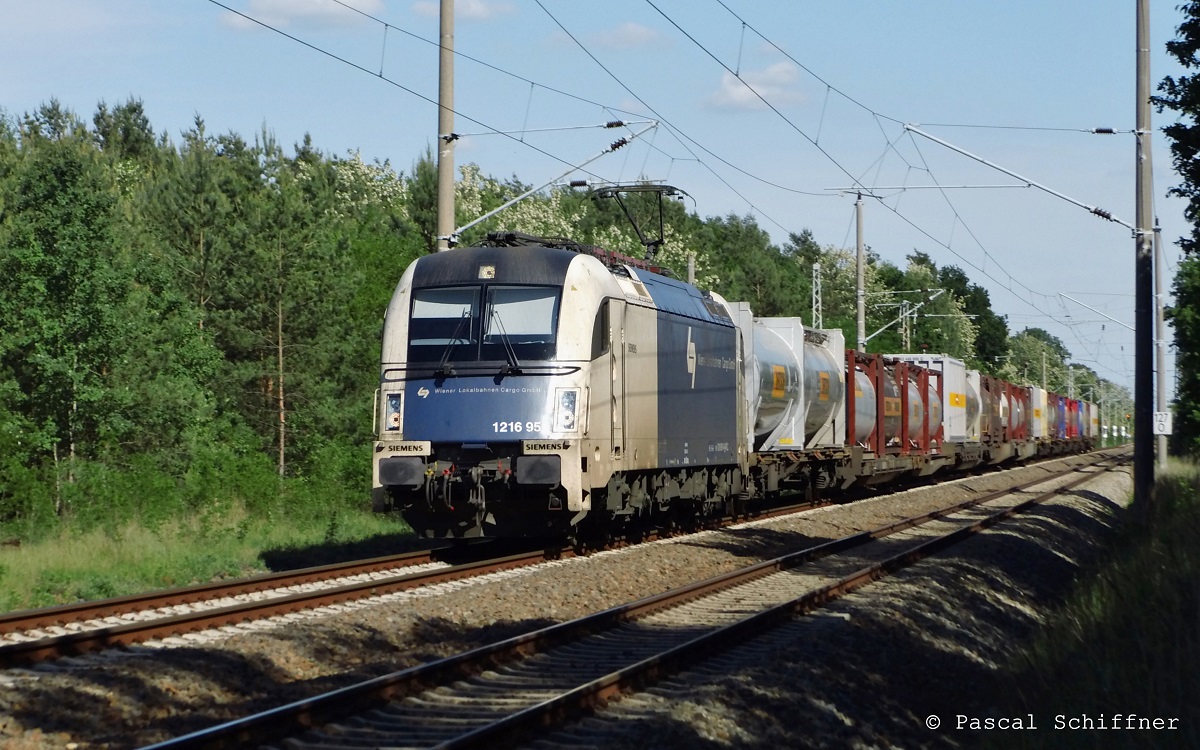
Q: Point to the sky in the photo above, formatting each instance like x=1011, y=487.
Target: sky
x=839, y=85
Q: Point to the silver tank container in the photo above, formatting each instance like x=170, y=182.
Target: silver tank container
x=780, y=375
x=972, y=404
x=864, y=406
x=935, y=410
x=824, y=392
x=916, y=411
x=777, y=371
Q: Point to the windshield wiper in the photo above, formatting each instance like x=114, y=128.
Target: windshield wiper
x=444, y=369
x=510, y=354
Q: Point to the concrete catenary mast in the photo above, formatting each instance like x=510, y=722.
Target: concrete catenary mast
x=446, y=137
x=1143, y=345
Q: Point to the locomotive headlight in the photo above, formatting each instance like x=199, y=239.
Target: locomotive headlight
x=566, y=402
x=393, y=407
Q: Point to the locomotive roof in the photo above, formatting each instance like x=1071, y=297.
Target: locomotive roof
x=539, y=262
x=526, y=264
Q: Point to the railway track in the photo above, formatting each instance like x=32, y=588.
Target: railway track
x=497, y=693
x=69, y=630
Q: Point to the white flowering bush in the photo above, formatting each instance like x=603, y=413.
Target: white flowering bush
x=469, y=190
x=673, y=254
x=360, y=185
x=545, y=216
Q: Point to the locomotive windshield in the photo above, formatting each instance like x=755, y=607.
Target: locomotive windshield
x=449, y=324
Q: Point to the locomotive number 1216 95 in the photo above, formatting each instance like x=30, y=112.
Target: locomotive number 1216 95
x=516, y=426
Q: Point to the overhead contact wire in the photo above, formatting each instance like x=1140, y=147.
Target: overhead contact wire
x=398, y=85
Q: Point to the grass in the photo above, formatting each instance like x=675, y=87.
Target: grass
x=99, y=563
x=1128, y=640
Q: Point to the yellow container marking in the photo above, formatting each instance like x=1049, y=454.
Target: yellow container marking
x=778, y=381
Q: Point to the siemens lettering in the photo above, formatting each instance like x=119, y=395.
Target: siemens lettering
x=545, y=446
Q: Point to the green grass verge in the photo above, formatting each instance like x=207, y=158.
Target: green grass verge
x=97, y=563
x=1127, y=642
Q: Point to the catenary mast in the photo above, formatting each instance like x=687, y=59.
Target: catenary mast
x=1143, y=381
x=445, y=165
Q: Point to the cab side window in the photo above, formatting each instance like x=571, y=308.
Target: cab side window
x=600, y=331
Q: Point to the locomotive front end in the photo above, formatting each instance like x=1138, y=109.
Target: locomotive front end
x=482, y=402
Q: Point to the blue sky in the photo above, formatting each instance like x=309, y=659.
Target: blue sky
x=841, y=79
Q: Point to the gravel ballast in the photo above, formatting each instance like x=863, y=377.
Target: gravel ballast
x=868, y=669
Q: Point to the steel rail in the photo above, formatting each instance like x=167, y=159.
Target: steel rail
x=302, y=715
x=96, y=639
x=124, y=635
x=30, y=619
x=601, y=690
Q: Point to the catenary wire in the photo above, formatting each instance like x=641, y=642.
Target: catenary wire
x=879, y=115
x=585, y=100
x=398, y=85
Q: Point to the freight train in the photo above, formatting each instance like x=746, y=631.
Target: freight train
x=534, y=387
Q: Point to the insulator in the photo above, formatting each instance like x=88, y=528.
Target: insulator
x=614, y=124
x=618, y=143
x=578, y=183
x=1103, y=131
x=1102, y=213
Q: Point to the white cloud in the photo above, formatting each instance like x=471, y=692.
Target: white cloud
x=471, y=10
x=777, y=83
x=628, y=35
x=310, y=14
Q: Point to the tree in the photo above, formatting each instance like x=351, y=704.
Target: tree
x=1032, y=353
x=191, y=214
x=751, y=269
x=63, y=293
x=1184, y=318
x=125, y=131
x=1182, y=95
x=942, y=325
x=1054, y=343
x=991, y=330
x=422, y=199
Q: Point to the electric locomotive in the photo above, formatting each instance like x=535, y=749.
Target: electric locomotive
x=527, y=382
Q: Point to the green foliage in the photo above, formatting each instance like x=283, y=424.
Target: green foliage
x=193, y=328
x=422, y=201
x=183, y=325
x=991, y=330
x=1182, y=96
x=751, y=269
x=124, y=133
x=1028, y=354
x=1185, y=320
